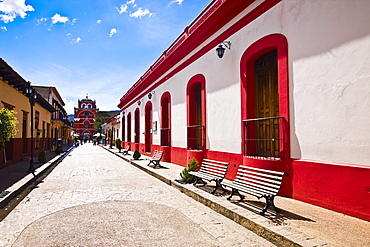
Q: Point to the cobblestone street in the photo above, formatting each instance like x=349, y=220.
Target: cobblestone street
x=94, y=198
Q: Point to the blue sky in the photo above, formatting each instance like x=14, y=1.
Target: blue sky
x=99, y=47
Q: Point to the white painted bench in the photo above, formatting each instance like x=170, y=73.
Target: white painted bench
x=211, y=170
x=257, y=182
x=125, y=151
x=156, y=158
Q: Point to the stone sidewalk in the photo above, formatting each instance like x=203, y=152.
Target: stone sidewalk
x=94, y=198
x=15, y=179
x=298, y=224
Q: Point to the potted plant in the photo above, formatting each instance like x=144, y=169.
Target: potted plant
x=136, y=154
x=118, y=144
x=42, y=157
x=192, y=166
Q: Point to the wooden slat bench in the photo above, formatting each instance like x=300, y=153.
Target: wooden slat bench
x=125, y=151
x=156, y=158
x=257, y=182
x=211, y=170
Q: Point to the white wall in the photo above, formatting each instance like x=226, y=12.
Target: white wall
x=329, y=54
x=329, y=80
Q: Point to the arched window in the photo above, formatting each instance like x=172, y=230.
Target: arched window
x=137, y=126
x=129, y=127
x=196, y=109
x=166, y=119
x=86, y=115
x=148, y=127
x=123, y=137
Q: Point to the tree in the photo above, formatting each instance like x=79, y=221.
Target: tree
x=8, y=123
x=101, y=118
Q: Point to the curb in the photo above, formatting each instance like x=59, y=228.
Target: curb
x=251, y=225
x=11, y=200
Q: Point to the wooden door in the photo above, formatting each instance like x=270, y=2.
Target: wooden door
x=198, y=115
x=148, y=129
x=267, y=105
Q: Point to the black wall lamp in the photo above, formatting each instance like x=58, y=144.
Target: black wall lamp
x=150, y=94
x=139, y=102
x=221, y=50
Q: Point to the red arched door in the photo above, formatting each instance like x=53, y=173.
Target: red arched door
x=148, y=127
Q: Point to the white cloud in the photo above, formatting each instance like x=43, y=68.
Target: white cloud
x=4, y=28
x=57, y=18
x=41, y=20
x=112, y=32
x=179, y=2
x=13, y=8
x=140, y=13
x=98, y=21
x=74, y=21
x=69, y=34
x=69, y=106
x=123, y=8
x=75, y=41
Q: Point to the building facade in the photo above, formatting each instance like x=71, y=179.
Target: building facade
x=13, y=97
x=61, y=124
x=84, y=116
x=290, y=93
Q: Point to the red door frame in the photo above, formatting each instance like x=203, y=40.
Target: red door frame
x=254, y=51
x=193, y=82
x=148, y=126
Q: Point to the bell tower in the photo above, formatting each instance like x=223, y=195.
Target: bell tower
x=84, y=116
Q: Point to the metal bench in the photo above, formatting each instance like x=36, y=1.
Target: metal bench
x=211, y=170
x=156, y=158
x=125, y=151
x=257, y=182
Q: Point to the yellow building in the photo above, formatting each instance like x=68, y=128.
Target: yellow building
x=13, y=97
x=61, y=125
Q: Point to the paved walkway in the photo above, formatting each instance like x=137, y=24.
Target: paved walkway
x=299, y=224
x=94, y=198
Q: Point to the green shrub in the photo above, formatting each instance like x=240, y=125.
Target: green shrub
x=42, y=157
x=136, y=154
x=118, y=144
x=8, y=126
x=192, y=166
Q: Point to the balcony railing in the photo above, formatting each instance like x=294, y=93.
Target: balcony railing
x=166, y=137
x=263, y=138
x=195, y=137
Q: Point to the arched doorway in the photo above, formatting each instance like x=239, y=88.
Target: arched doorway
x=165, y=124
x=148, y=127
x=137, y=128
x=265, y=99
x=196, y=117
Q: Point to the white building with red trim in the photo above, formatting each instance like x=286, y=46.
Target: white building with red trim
x=291, y=94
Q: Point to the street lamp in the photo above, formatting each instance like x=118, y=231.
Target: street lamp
x=32, y=96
